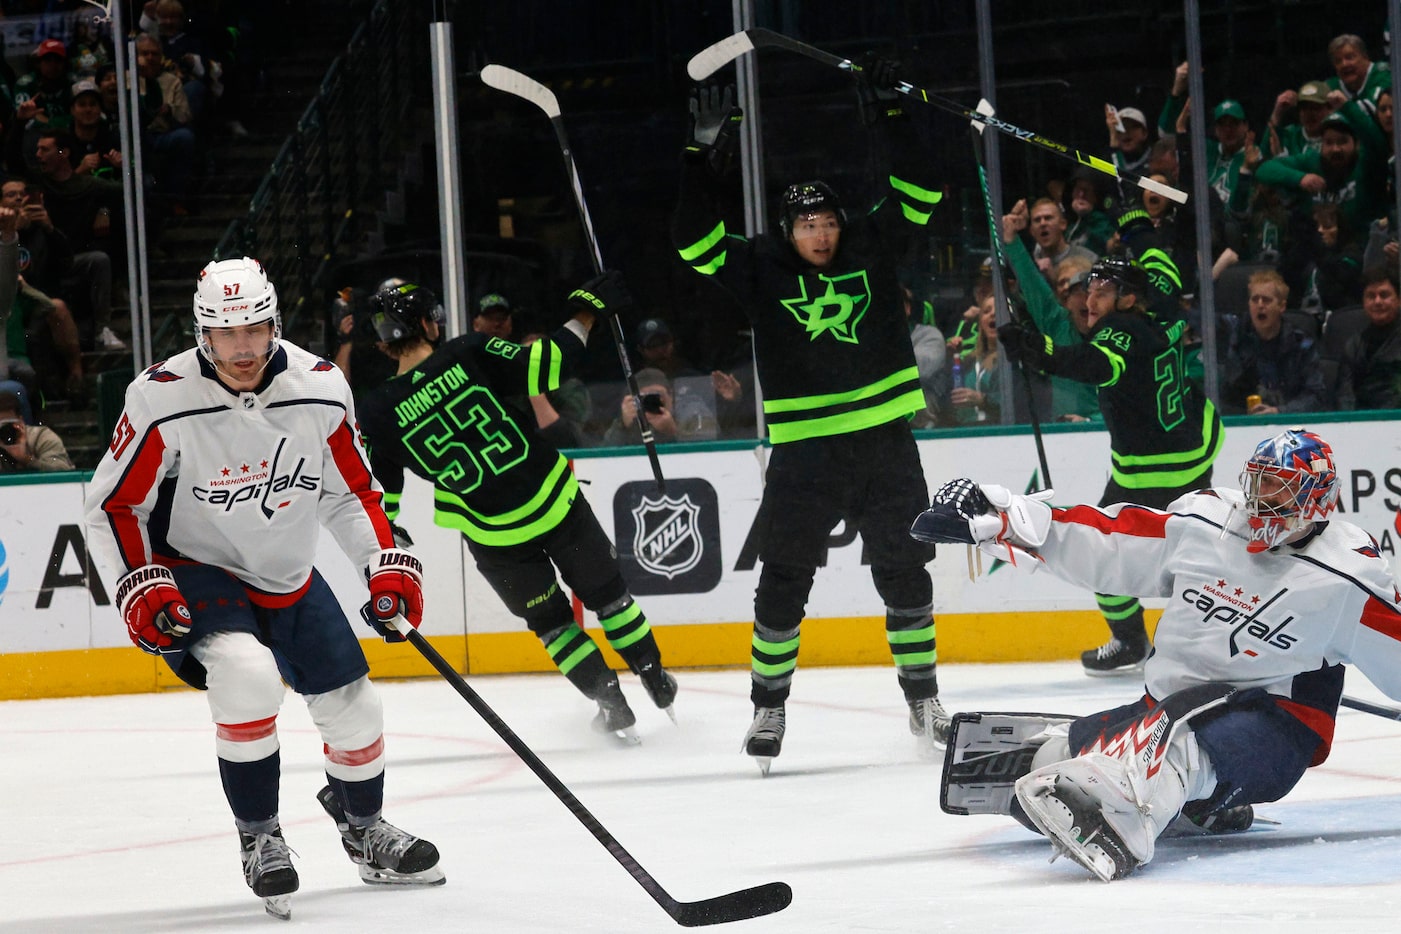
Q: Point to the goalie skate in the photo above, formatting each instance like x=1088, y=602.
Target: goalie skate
x=1072, y=819
x=385, y=854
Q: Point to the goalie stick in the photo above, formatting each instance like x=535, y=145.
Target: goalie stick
x=714, y=57
x=526, y=88
x=722, y=909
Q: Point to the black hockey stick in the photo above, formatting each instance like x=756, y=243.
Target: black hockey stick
x=714, y=57
x=995, y=232
x=722, y=909
x=527, y=88
x=1390, y=713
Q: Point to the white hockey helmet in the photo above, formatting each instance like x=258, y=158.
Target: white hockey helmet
x=231, y=293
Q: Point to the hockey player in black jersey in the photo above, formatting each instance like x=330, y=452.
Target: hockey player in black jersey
x=1164, y=433
x=509, y=492
x=839, y=384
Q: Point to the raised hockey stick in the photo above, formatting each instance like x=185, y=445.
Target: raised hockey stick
x=998, y=269
x=513, y=82
x=714, y=57
x=722, y=909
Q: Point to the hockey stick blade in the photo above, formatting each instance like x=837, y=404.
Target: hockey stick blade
x=737, y=906
x=513, y=82
x=712, y=58
x=722, y=909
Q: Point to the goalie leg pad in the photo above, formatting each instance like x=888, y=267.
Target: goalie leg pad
x=988, y=752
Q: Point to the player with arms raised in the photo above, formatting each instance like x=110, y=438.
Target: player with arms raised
x=1268, y=597
x=226, y=461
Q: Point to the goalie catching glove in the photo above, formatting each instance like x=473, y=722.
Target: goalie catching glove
x=998, y=521
x=396, y=589
x=157, y=616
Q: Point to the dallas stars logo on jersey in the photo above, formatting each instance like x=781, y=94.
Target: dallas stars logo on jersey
x=838, y=310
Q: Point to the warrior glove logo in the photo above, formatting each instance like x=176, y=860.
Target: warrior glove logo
x=837, y=311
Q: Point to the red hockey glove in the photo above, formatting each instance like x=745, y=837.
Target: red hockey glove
x=396, y=588
x=157, y=616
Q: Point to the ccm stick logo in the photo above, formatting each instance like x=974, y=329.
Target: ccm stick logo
x=1245, y=614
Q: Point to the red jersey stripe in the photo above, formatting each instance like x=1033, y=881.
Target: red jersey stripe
x=247, y=732
x=356, y=473
x=1131, y=520
x=356, y=756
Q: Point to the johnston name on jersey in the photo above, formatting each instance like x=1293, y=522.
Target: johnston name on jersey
x=239, y=480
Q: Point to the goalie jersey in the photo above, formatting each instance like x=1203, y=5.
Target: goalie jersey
x=239, y=480
x=1233, y=617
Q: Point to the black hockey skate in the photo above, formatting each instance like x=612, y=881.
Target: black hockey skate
x=1116, y=658
x=660, y=686
x=614, y=715
x=268, y=870
x=764, y=740
x=931, y=724
x=385, y=854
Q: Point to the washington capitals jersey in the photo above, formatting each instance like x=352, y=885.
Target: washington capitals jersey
x=832, y=345
x=239, y=480
x=1233, y=617
x=1164, y=432
x=494, y=478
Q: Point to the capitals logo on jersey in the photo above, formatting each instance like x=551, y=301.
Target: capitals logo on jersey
x=1244, y=613
x=837, y=310
x=268, y=484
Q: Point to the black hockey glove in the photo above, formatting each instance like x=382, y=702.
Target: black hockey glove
x=604, y=295
x=402, y=538
x=946, y=520
x=1027, y=346
x=715, y=123
x=875, y=85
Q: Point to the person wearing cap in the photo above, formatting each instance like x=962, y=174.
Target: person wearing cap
x=492, y=316
x=43, y=95
x=1310, y=104
x=1128, y=142
x=1230, y=132
x=659, y=348
x=1348, y=169
x=96, y=145
x=1060, y=310
x=1355, y=74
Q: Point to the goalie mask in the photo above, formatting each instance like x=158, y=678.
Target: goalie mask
x=233, y=293
x=1289, y=483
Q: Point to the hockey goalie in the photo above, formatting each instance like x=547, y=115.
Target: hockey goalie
x=1269, y=596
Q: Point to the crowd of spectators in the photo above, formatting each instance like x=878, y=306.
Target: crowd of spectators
x=61, y=160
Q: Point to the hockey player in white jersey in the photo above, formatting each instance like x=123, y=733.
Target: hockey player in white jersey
x=1268, y=597
x=225, y=462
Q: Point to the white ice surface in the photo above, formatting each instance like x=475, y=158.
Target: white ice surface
x=113, y=820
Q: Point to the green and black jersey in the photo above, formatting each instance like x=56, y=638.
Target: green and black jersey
x=494, y=479
x=832, y=345
x=1163, y=430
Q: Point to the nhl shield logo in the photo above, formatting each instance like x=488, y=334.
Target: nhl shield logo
x=668, y=543
x=666, y=537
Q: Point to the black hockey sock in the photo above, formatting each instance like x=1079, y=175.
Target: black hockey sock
x=251, y=787
x=577, y=657
x=361, y=801
x=1125, y=618
x=913, y=648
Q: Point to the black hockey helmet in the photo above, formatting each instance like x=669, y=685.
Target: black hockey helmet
x=400, y=311
x=1123, y=272
x=807, y=198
